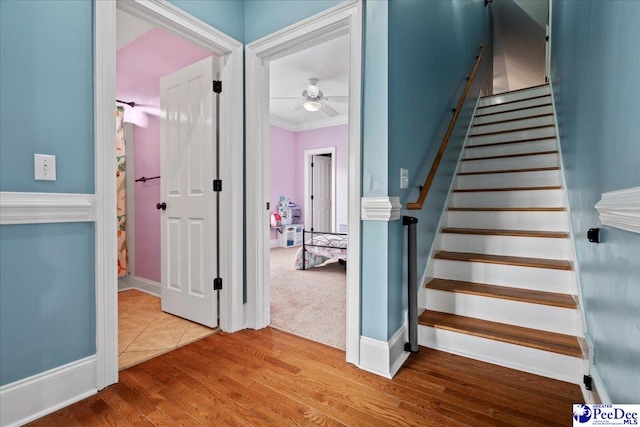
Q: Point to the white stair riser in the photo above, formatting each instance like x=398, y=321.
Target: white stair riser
x=514, y=96
x=518, y=114
x=539, y=362
x=512, y=125
x=516, y=135
x=544, y=100
x=508, y=220
x=508, y=180
x=535, y=247
x=525, y=198
x=540, y=279
x=508, y=163
x=527, y=315
x=509, y=149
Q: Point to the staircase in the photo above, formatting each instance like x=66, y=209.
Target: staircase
x=502, y=286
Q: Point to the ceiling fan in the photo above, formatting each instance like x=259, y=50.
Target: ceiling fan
x=313, y=99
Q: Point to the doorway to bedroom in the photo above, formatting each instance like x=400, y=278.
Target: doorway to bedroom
x=308, y=194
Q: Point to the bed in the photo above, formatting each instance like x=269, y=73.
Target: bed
x=318, y=247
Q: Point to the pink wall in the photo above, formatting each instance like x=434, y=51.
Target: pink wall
x=139, y=66
x=334, y=136
x=287, y=164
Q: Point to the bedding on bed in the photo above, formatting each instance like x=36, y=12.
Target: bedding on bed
x=320, y=248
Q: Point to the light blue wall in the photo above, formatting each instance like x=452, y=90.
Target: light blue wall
x=263, y=17
x=47, y=297
x=375, y=150
x=595, y=67
x=432, y=49
x=47, y=279
x=45, y=94
x=224, y=15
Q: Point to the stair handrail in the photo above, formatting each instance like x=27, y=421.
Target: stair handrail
x=417, y=205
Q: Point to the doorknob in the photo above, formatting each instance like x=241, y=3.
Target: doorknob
x=162, y=206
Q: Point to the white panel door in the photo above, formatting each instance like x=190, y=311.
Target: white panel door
x=321, y=192
x=187, y=162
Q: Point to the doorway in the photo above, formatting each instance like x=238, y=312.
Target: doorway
x=345, y=18
x=320, y=189
x=161, y=77
x=174, y=20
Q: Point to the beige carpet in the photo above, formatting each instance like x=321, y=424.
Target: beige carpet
x=310, y=303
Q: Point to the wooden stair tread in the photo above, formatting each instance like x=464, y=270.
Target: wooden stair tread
x=506, y=156
x=498, y=132
x=513, y=109
x=537, y=116
x=514, y=91
x=515, y=100
x=499, y=232
x=480, y=190
x=554, y=264
x=513, y=141
x=527, y=337
x=550, y=168
x=509, y=209
x=503, y=292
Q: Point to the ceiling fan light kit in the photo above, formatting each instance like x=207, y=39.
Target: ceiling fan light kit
x=312, y=106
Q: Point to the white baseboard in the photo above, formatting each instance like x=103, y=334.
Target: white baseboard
x=140, y=284
x=273, y=243
x=381, y=357
x=599, y=393
x=31, y=398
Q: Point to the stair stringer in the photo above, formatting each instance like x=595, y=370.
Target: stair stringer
x=586, y=343
x=428, y=273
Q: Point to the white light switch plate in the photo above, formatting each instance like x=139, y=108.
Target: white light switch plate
x=44, y=167
x=404, y=179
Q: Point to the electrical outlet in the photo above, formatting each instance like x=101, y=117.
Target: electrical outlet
x=44, y=167
x=404, y=179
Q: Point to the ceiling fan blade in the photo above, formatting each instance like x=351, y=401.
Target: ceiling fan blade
x=340, y=99
x=293, y=110
x=328, y=110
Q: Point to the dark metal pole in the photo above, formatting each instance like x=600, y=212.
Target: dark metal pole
x=412, y=345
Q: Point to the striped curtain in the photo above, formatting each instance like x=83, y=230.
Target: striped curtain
x=123, y=265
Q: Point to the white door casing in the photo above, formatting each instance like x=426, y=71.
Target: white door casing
x=308, y=154
x=230, y=53
x=321, y=199
x=187, y=159
x=345, y=18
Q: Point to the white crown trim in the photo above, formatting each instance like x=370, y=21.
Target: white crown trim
x=40, y=208
x=621, y=209
x=381, y=208
x=316, y=124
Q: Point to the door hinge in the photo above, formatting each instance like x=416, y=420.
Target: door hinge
x=217, y=284
x=588, y=382
x=312, y=197
x=217, y=185
x=268, y=205
x=311, y=164
x=217, y=86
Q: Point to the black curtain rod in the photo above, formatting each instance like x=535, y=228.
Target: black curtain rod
x=130, y=104
x=145, y=179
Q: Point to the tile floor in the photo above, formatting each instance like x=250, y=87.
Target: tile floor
x=145, y=331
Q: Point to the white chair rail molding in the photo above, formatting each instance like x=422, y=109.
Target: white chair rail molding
x=621, y=209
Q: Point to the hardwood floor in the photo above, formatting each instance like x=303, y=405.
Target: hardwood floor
x=269, y=377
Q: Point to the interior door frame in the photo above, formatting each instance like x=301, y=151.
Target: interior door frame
x=345, y=18
x=230, y=52
x=307, y=174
